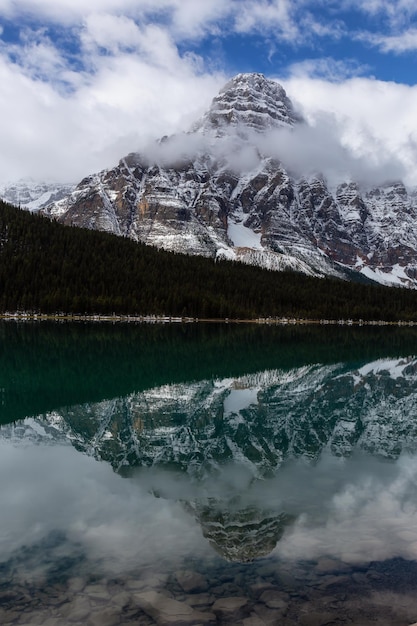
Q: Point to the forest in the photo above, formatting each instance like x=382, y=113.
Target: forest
x=46, y=267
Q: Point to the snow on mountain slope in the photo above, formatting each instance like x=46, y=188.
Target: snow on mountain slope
x=248, y=102
x=220, y=190
x=32, y=195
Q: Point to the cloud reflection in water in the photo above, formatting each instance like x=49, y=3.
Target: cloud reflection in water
x=314, y=461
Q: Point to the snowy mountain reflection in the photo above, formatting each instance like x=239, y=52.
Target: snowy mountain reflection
x=301, y=462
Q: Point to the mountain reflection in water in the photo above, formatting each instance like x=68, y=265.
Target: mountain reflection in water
x=317, y=454
x=216, y=474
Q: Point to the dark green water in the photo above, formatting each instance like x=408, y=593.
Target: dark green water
x=188, y=474
x=47, y=365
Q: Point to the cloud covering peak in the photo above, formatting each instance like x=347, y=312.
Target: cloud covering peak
x=85, y=83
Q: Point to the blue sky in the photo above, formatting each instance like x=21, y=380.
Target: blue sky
x=85, y=82
x=336, y=44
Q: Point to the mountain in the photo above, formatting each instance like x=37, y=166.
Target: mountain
x=33, y=195
x=46, y=267
x=216, y=191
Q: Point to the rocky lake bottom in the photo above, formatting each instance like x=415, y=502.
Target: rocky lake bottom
x=266, y=592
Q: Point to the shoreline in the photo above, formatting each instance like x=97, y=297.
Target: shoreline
x=162, y=319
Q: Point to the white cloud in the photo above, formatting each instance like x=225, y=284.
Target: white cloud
x=375, y=120
x=359, y=128
x=388, y=24
x=110, y=32
x=186, y=18
x=265, y=14
x=396, y=10
x=102, y=87
x=290, y=20
x=333, y=70
x=358, y=509
x=320, y=149
x=192, y=20
x=113, y=78
x=67, y=11
x=404, y=42
x=36, y=56
x=294, y=21
x=306, y=150
x=109, y=113
x=367, y=511
x=114, y=521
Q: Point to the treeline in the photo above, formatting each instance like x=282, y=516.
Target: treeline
x=46, y=267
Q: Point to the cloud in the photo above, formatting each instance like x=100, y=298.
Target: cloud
x=358, y=509
x=290, y=20
x=36, y=56
x=373, y=120
x=397, y=11
x=366, y=511
x=327, y=68
x=406, y=41
x=76, y=99
x=293, y=22
x=319, y=148
x=145, y=89
x=267, y=15
x=64, y=132
x=110, y=32
x=193, y=20
x=114, y=522
x=186, y=18
x=68, y=11
x=390, y=31
x=87, y=82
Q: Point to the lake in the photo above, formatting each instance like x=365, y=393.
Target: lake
x=207, y=474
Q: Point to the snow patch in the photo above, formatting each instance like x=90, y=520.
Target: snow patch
x=239, y=399
x=394, y=367
x=242, y=236
x=396, y=276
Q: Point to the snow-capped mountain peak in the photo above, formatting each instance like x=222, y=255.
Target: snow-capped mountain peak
x=249, y=101
x=34, y=195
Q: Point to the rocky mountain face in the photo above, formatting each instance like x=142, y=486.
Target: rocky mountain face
x=217, y=191
x=32, y=195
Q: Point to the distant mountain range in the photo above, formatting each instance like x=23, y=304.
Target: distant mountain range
x=220, y=190
x=32, y=195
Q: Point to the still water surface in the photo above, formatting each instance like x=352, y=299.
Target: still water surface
x=207, y=474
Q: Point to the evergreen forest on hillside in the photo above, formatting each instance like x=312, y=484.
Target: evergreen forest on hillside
x=46, y=267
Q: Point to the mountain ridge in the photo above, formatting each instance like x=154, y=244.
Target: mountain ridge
x=32, y=195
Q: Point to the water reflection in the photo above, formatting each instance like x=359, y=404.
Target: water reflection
x=49, y=365
x=251, y=456
x=299, y=480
